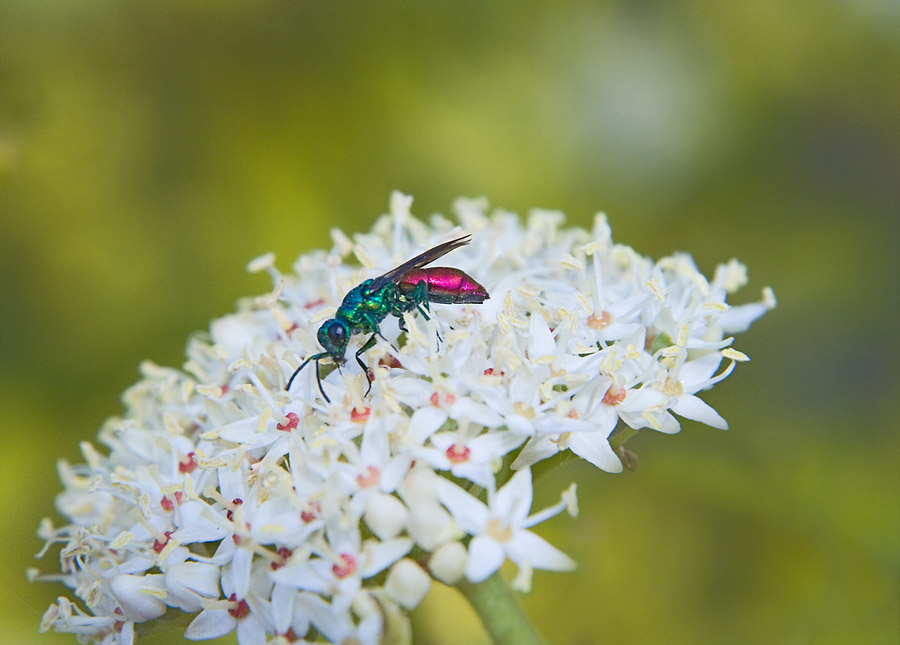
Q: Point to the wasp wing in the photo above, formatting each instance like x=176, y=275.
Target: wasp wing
x=419, y=261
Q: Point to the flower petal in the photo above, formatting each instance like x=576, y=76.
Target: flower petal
x=380, y=555
x=210, y=623
x=595, y=448
x=527, y=547
x=692, y=407
x=469, y=513
x=513, y=501
x=485, y=557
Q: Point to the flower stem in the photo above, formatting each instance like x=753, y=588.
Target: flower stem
x=499, y=611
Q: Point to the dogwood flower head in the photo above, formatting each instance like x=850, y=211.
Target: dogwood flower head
x=282, y=514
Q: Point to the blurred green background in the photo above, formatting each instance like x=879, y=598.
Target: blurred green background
x=149, y=150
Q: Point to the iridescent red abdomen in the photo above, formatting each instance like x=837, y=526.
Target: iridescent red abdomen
x=445, y=285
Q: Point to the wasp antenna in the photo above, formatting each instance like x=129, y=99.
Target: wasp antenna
x=314, y=357
x=319, y=379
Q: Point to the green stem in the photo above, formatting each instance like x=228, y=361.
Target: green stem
x=168, y=628
x=620, y=436
x=499, y=611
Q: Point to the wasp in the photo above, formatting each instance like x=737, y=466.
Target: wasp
x=410, y=286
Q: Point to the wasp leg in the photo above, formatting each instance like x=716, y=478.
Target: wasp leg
x=427, y=317
x=420, y=297
x=425, y=308
x=374, y=325
x=377, y=332
x=369, y=344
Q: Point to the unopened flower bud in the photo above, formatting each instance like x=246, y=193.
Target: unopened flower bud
x=407, y=583
x=139, y=596
x=448, y=563
x=386, y=516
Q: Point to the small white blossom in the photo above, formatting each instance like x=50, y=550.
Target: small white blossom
x=271, y=512
x=500, y=528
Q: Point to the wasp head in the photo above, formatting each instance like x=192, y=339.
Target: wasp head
x=333, y=336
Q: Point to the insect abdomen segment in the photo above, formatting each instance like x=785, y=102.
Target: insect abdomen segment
x=444, y=285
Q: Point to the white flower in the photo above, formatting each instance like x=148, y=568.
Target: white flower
x=467, y=457
x=271, y=512
x=499, y=529
x=214, y=623
x=344, y=562
x=339, y=626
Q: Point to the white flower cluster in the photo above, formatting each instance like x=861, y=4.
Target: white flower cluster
x=285, y=517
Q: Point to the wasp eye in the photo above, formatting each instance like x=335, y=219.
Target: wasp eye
x=332, y=336
x=337, y=333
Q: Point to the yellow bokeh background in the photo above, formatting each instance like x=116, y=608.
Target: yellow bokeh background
x=148, y=150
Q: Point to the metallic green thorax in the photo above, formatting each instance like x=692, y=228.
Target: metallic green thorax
x=362, y=311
